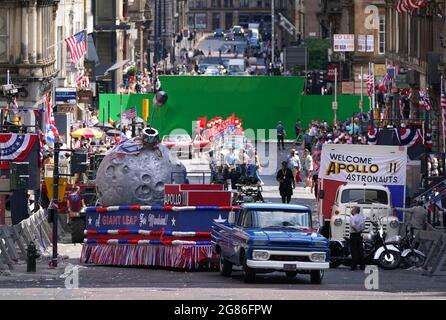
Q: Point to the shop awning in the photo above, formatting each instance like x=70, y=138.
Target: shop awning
x=117, y=66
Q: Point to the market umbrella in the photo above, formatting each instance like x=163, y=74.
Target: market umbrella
x=136, y=120
x=113, y=132
x=104, y=126
x=87, y=133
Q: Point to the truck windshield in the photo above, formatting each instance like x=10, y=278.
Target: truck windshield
x=280, y=219
x=364, y=196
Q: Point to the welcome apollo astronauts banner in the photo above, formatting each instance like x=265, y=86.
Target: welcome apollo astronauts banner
x=364, y=164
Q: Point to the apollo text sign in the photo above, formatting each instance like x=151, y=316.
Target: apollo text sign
x=364, y=164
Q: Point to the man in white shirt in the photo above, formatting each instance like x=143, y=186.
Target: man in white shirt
x=357, y=224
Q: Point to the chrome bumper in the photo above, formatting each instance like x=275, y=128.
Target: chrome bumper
x=280, y=265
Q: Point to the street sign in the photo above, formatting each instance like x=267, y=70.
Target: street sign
x=66, y=96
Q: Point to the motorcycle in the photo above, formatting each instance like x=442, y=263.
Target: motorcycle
x=410, y=257
x=376, y=250
x=386, y=255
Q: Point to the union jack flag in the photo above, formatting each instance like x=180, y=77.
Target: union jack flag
x=51, y=130
x=77, y=44
x=425, y=101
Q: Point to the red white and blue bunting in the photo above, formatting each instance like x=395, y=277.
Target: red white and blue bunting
x=156, y=233
x=160, y=208
x=173, y=256
x=15, y=147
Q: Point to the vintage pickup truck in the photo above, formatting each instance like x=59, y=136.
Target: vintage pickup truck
x=266, y=237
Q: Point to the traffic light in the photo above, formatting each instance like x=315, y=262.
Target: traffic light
x=79, y=162
x=19, y=175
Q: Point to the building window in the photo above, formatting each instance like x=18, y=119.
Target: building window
x=198, y=20
x=4, y=37
x=382, y=35
x=244, y=4
x=259, y=3
x=216, y=4
x=215, y=20
x=228, y=3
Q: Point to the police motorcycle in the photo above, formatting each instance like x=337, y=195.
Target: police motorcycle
x=376, y=249
x=410, y=257
x=385, y=253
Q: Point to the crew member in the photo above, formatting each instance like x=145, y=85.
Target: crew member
x=286, y=182
x=418, y=217
x=356, y=243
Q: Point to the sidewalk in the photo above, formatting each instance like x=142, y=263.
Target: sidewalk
x=68, y=254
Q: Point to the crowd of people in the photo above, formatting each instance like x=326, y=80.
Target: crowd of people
x=304, y=168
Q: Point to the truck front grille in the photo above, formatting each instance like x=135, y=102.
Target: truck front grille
x=289, y=258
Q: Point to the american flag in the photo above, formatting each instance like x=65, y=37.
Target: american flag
x=404, y=6
x=443, y=107
x=130, y=113
x=77, y=44
x=371, y=84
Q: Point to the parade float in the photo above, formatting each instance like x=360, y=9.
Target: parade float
x=144, y=220
x=148, y=218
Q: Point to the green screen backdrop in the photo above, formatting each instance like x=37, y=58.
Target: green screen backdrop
x=259, y=101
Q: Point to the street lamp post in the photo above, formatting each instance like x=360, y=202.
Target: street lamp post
x=272, y=33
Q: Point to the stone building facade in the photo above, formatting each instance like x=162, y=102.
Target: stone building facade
x=28, y=51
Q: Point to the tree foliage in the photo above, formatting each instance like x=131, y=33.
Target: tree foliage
x=317, y=53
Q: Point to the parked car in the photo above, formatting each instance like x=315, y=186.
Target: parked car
x=219, y=33
x=229, y=37
x=201, y=143
x=267, y=237
x=213, y=70
x=238, y=31
x=181, y=143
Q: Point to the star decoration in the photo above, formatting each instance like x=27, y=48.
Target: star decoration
x=89, y=220
x=220, y=219
x=173, y=221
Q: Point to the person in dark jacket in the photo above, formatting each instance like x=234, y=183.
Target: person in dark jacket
x=286, y=182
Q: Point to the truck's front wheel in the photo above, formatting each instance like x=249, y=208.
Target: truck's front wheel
x=250, y=275
x=225, y=267
x=316, y=276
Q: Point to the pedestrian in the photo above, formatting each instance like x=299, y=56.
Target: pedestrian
x=280, y=135
x=258, y=167
x=75, y=203
x=286, y=182
x=243, y=161
x=308, y=140
x=230, y=162
x=308, y=167
x=297, y=129
x=418, y=217
x=294, y=164
x=356, y=243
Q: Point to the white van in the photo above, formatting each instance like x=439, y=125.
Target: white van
x=236, y=66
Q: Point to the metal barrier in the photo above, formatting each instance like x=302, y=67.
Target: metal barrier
x=14, y=240
x=433, y=243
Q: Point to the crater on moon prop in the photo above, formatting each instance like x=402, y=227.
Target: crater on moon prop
x=137, y=179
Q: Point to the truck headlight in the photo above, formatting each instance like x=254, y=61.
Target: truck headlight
x=338, y=222
x=393, y=224
x=318, y=257
x=260, y=255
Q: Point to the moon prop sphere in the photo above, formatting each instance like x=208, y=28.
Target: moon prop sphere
x=137, y=179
